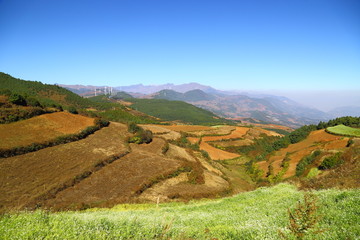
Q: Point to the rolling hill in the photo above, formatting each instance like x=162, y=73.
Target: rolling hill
x=47, y=94
x=264, y=107
x=177, y=111
x=270, y=109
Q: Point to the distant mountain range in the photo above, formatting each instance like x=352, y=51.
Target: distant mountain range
x=266, y=108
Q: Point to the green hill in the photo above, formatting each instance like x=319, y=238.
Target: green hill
x=190, y=96
x=47, y=94
x=260, y=214
x=54, y=96
x=177, y=111
x=121, y=95
x=169, y=95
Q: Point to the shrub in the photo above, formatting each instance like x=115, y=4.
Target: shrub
x=305, y=161
x=205, y=154
x=304, y=218
x=165, y=148
x=142, y=136
x=133, y=128
x=331, y=162
x=17, y=99
x=73, y=110
x=32, y=102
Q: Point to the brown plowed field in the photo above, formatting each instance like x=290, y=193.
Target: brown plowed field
x=41, y=128
x=186, y=128
x=26, y=178
x=217, y=154
x=239, y=132
x=316, y=140
x=159, y=130
x=120, y=181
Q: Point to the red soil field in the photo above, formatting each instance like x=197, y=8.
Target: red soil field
x=239, y=132
x=316, y=140
x=186, y=128
x=215, y=153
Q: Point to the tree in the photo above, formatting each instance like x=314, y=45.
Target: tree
x=17, y=99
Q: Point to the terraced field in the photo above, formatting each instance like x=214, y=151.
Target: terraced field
x=103, y=170
x=29, y=179
x=42, y=128
x=239, y=136
x=316, y=140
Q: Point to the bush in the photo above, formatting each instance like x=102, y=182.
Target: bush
x=73, y=110
x=331, y=162
x=32, y=102
x=134, y=128
x=142, y=136
x=205, y=154
x=17, y=99
x=165, y=148
x=303, y=220
x=305, y=161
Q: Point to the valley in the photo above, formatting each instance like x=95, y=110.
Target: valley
x=81, y=158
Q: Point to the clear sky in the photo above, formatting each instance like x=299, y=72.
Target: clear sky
x=245, y=45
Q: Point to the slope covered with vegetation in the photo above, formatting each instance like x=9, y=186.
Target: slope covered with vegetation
x=25, y=94
x=177, y=110
x=46, y=94
x=261, y=214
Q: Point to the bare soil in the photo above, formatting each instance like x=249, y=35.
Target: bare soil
x=186, y=128
x=215, y=153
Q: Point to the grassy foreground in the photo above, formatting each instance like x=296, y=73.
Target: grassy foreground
x=344, y=130
x=253, y=215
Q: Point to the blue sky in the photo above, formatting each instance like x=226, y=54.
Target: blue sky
x=246, y=45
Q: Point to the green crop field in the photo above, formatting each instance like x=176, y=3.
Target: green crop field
x=344, y=130
x=259, y=214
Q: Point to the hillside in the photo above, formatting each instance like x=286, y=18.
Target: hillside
x=227, y=104
x=89, y=172
x=260, y=214
x=46, y=94
x=265, y=107
x=176, y=111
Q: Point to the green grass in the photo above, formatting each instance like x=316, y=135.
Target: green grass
x=253, y=215
x=177, y=111
x=344, y=130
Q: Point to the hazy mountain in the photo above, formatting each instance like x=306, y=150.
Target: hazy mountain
x=230, y=104
x=149, y=89
x=190, y=96
x=272, y=109
x=345, y=111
